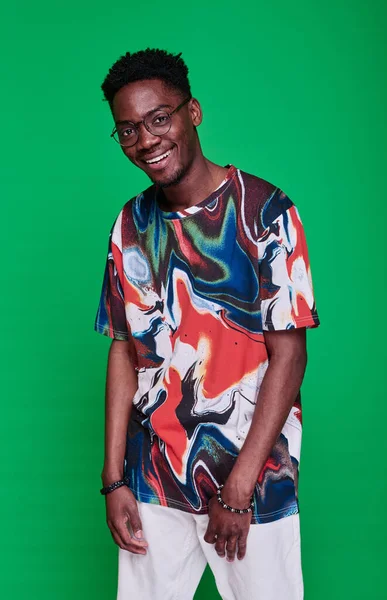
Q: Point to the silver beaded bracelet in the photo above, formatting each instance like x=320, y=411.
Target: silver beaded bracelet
x=239, y=511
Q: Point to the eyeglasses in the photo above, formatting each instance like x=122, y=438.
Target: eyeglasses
x=157, y=123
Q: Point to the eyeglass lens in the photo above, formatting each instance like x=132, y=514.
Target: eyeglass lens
x=157, y=124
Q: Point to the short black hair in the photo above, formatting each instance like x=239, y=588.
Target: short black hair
x=147, y=64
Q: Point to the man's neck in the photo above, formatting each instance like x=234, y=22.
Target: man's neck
x=200, y=181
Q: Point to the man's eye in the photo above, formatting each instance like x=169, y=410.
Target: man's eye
x=160, y=119
x=126, y=132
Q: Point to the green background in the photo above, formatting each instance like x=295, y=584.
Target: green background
x=293, y=92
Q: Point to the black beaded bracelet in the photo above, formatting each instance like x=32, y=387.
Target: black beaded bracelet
x=239, y=511
x=114, y=486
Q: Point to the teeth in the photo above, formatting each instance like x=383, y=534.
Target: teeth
x=158, y=158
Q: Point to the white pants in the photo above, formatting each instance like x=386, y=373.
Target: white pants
x=177, y=555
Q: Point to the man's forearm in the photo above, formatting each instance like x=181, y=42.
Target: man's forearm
x=121, y=386
x=278, y=392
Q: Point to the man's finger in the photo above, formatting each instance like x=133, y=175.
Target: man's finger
x=135, y=523
x=242, y=545
x=231, y=547
x=115, y=536
x=220, y=545
x=126, y=534
x=124, y=545
x=210, y=535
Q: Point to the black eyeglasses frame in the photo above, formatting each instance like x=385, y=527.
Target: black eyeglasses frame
x=142, y=122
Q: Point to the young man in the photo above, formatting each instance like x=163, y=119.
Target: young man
x=207, y=295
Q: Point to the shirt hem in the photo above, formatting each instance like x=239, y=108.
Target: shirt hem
x=310, y=322
x=112, y=333
x=257, y=518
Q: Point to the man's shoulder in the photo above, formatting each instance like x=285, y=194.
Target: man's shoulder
x=132, y=212
x=256, y=185
x=263, y=198
x=139, y=200
x=256, y=181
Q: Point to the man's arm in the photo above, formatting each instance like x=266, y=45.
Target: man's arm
x=121, y=386
x=121, y=505
x=278, y=391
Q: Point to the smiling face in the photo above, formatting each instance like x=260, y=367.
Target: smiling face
x=166, y=159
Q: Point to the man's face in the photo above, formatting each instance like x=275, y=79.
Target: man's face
x=180, y=145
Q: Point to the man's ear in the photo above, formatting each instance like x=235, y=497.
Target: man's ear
x=195, y=111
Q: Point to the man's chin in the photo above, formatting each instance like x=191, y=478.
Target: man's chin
x=168, y=180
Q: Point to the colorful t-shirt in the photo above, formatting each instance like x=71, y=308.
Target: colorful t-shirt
x=193, y=291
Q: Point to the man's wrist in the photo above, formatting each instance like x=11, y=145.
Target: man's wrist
x=107, y=489
x=243, y=477
x=110, y=476
x=237, y=493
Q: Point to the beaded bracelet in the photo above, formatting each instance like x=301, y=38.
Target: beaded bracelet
x=239, y=511
x=114, y=486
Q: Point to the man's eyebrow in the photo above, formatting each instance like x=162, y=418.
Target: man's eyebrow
x=146, y=115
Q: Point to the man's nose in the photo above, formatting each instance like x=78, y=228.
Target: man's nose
x=146, y=139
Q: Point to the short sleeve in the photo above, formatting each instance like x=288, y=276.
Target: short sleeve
x=286, y=288
x=111, y=317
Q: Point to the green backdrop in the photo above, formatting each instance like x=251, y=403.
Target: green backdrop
x=292, y=92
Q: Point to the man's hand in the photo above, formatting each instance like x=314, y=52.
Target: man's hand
x=227, y=530
x=124, y=521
